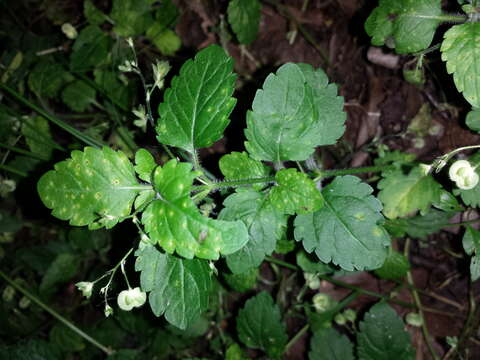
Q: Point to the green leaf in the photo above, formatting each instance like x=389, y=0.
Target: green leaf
x=234, y=352
x=196, y=107
x=38, y=136
x=166, y=40
x=295, y=111
x=60, y=271
x=473, y=120
x=34, y=349
x=175, y=223
x=238, y=165
x=309, y=265
x=242, y=282
x=347, y=229
x=460, y=49
x=294, y=193
x=419, y=226
x=94, y=187
x=382, y=336
x=403, y=195
x=114, y=89
x=395, y=266
x=406, y=25
x=244, y=17
x=471, y=245
x=47, y=78
x=65, y=339
x=265, y=226
x=178, y=288
x=78, y=95
x=259, y=325
x=144, y=165
x=92, y=14
x=328, y=344
x=131, y=17
x=90, y=49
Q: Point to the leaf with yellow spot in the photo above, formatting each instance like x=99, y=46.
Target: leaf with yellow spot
x=294, y=193
x=95, y=187
x=176, y=224
x=404, y=195
x=347, y=230
x=178, y=288
x=196, y=108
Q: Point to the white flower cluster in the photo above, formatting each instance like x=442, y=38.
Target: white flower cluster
x=463, y=174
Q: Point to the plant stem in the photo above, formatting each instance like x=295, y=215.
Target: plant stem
x=56, y=315
x=338, y=172
x=13, y=170
x=418, y=303
x=234, y=183
x=297, y=336
x=23, y=152
x=78, y=134
x=342, y=283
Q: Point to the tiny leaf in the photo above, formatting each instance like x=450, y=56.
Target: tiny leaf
x=78, y=95
x=178, y=288
x=294, y=193
x=295, y=111
x=265, y=226
x=382, y=336
x=328, y=344
x=90, y=49
x=94, y=187
x=244, y=17
x=196, y=107
x=144, y=165
x=395, y=266
x=411, y=24
x=38, y=136
x=461, y=49
x=471, y=245
x=403, y=195
x=259, y=325
x=175, y=223
x=346, y=230
x=238, y=165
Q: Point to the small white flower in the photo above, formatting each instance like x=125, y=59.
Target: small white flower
x=160, y=70
x=128, y=299
x=130, y=42
x=463, y=174
x=69, y=31
x=108, y=310
x=322, y=302
x=312, y=280
x=85, y=287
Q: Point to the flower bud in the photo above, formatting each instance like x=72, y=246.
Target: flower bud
x=69, y=31
x=85, y=287
x=322, y=302
x=108, y=310
x=312, y=280
x=128, y=299
x=463, y=174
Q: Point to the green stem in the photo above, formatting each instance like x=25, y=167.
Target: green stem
x=137, y=187
x=342, y=283
x=56, y=315
x=233, y=183
x=23, y=152
x=13, y=170
x=297, y=336
x=78, y=134
x=338, y=172
x=418, y=304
